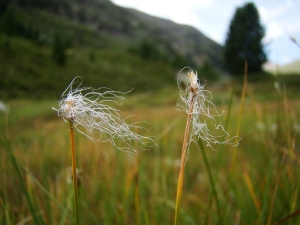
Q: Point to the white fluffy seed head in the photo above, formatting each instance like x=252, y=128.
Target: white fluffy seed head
x=87, y=109
x=193, y=78
x=205, y=116
x=68, y=108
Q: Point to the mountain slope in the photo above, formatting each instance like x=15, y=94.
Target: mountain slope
x=28, y=71
x=131, y=27
x=171, y=38
x=107, y=45
x=186, y=40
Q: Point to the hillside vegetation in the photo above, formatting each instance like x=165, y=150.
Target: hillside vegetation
x=28, y=70
x=44, y=46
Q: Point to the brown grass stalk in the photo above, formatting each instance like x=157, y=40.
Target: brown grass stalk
x=183, y=161
x=74, y=175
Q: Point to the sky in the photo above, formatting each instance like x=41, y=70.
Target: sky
x=281, y=19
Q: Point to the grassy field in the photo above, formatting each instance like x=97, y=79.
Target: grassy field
x=254, y=183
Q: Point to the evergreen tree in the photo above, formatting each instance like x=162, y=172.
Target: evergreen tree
x=244, y=41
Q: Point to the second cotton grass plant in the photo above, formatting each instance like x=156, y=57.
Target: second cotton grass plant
x=201, y=116
x=87, y=110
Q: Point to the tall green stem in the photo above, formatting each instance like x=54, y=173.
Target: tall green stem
x=241, y=110
x=75, y=187
x=211, y=178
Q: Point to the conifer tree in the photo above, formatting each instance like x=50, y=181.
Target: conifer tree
x=244, y=41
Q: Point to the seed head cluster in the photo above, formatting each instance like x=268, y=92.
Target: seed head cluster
x=197, y=102
x=87, y=108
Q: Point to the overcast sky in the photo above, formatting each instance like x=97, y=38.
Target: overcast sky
x=281, y=18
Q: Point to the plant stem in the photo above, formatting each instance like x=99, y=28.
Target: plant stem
x=14, y=162
x=211, y=179
x=241, y=110
x=136, y=185
x=75, y=188
x=136, y=192
x=183, y=161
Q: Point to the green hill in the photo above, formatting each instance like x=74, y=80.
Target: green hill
x=292, y=68
x=44, y=44
x=27, y=70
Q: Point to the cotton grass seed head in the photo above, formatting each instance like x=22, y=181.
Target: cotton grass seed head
x=87, y=109
x=197, y=102
x=193, y=78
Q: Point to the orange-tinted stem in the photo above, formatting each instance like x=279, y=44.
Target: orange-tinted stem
x=183, y=161
x=74, y=174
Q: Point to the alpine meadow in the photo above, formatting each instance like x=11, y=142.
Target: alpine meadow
x=112, y=116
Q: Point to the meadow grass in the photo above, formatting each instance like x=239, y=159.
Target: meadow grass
x=36, y=185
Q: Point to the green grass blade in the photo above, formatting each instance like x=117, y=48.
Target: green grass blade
x=14, y=162
x=211, y=178
x=44, y=190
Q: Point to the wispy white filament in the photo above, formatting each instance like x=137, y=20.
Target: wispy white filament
x=87, y=109
x=197, y=101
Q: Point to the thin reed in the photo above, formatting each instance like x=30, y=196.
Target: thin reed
x=201, y=112
x=74, y=173
x=182, y=163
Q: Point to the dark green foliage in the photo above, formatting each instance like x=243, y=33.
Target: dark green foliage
x=179, y=61
x=147, y=50
x=59, y=49
x=5, y=45
x=8, y=24
x=3, y=6
x=55, y=6
x=82, y=15
x=208, y=72
x=150, y=50
x=92, y=56
x=12, y=25
x=244, y=41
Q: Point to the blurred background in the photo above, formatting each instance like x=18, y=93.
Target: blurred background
x=45, y=44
